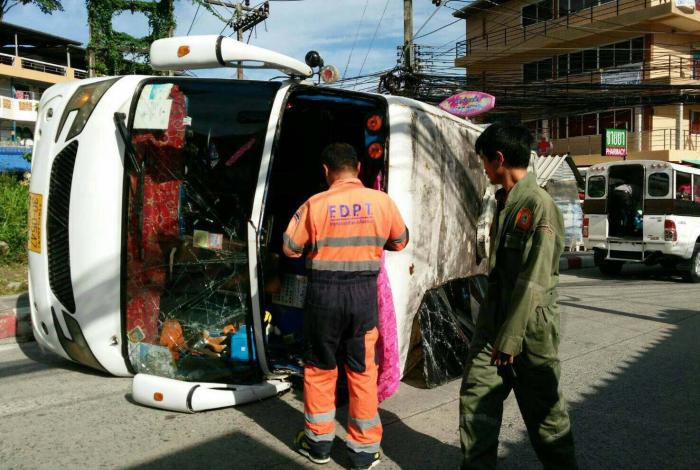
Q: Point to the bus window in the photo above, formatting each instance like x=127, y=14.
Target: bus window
x=198, y=148
x=596, y=186
x=683, y=192
x=658, y=184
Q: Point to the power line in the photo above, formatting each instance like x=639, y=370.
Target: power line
x=194, y=18
x=357, y=33
x=371, y=43
x=438, y=29
x=428, y=20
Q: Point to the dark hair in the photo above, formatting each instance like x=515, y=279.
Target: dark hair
x=512, y=140
x=339, y=156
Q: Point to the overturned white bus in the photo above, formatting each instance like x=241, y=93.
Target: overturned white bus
x=158, y=205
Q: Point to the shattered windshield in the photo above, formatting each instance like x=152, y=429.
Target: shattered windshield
x=198, y=146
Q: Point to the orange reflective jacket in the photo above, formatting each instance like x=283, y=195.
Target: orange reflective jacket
x=346, y=228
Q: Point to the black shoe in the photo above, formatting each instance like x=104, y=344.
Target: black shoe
x=304, y=448
x=365, y=460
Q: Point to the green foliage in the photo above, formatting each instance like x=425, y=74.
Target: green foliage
x=110, y=46
x=46, y=6
x=14, y=204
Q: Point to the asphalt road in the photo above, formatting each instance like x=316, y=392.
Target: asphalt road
x=631, y=372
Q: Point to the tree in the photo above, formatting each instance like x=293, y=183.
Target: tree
x=108, y=49
x=46, y=6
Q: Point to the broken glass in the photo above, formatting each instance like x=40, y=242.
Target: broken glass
x=198, y=148
x=447, y=318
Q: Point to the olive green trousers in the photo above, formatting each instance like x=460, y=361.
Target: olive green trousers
x=541, y=404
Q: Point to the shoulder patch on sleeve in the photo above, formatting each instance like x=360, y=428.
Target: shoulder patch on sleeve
x=524, y=219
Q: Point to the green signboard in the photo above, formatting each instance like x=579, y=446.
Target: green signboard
x=615, y=143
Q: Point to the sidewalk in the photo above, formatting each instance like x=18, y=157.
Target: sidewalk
x=15, y=319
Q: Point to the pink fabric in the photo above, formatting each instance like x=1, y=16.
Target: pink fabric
x=387, y=353
x=388, y=344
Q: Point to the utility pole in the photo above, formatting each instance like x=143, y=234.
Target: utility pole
x=239, y=37
x=244, y=18
x=408, y=33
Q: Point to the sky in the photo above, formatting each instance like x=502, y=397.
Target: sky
x=294, y=28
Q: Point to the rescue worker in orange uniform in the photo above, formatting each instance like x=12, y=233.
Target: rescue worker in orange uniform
x=342, y=232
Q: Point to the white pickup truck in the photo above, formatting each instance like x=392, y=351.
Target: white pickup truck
x=643, y=211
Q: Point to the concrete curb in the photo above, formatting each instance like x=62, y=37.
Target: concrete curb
x=15, y=319
x=579, y=260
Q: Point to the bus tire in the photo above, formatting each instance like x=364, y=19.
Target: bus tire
x=693, y=272
x=610, y=268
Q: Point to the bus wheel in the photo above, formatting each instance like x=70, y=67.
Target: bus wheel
x=693, y=273
x=610, y=268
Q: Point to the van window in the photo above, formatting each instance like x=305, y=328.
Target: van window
x=658, y=184
x=683, y=187
x=696, y=188
x=596, y=186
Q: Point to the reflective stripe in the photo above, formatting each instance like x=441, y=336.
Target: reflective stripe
x=363, y=424
x=401, y=238
x=322, y=265
x=349, y=241
x=320, y=417
x=319, y=437
x=290, y=243
x=357, y=447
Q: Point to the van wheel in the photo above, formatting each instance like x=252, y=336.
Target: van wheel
x=693, y=273
x=610, y=268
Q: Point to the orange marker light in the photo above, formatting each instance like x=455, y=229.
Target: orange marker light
x=375, y=151
x=374, y=123
x=182, y=51
x=158, y=396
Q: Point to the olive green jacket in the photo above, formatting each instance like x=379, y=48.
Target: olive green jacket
x=527, y=242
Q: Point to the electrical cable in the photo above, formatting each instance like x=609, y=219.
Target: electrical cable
x=428, y=20
x=194, y=18
x=354, y=41
x=371, y=43
x=438, y=29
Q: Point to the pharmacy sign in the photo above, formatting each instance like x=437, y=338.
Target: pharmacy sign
x=615, y=143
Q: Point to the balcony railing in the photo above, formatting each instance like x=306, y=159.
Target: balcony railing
x=663, y=70
x=45, y=67
x=646, y=141
x=662, y=67
x=40, y=66
x=579, y=20
x=7, y=59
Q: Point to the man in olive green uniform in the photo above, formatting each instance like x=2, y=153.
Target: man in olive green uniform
x=515, y=345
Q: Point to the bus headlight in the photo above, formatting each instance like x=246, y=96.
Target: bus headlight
x=83, y=101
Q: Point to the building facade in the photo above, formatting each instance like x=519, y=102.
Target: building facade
x=30, y=62
x=570, y=69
